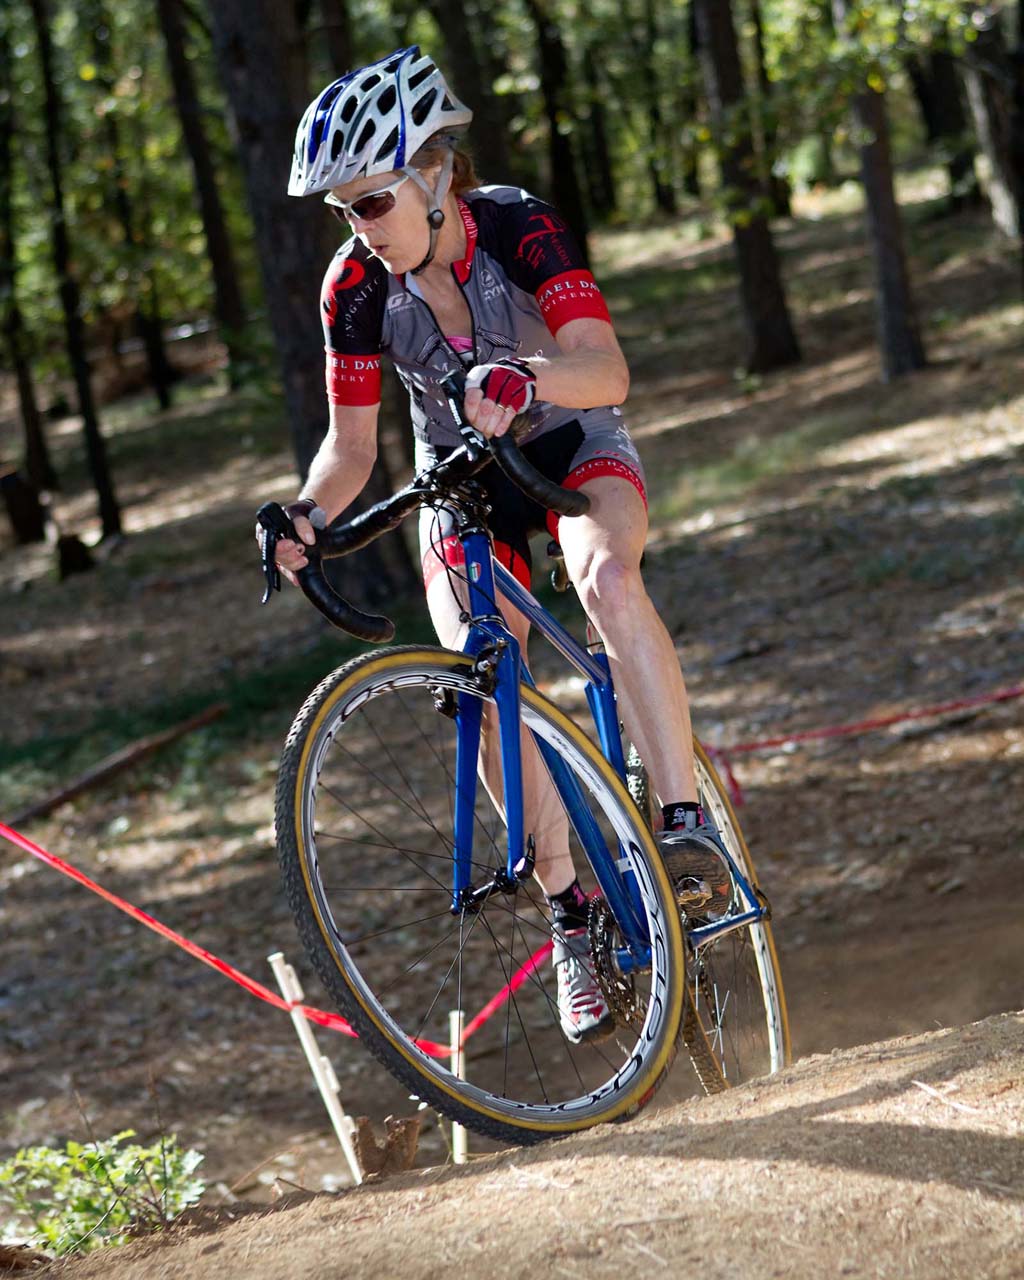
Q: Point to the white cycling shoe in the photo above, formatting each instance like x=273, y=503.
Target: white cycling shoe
x=582, y=1010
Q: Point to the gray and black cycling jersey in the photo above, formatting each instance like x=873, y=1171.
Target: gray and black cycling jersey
x=523, y=277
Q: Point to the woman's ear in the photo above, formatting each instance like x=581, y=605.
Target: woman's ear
x=431, y=175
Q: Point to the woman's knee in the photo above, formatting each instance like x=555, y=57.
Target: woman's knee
x=609, y=584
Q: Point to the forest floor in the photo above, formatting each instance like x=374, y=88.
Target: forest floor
x=825, y=548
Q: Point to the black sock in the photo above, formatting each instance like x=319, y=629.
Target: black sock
x=570, y=908
x=677, y=815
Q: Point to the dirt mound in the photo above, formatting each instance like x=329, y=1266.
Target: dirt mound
x=896, y=1159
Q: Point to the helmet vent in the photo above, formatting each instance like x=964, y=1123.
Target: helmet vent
x=365, y=135
x=336, y=143
x=386, y=100
x=370, y=82
x=388, y=147
x=447, y=105
x=422, y=108
x=421, y=75
x=348, y=110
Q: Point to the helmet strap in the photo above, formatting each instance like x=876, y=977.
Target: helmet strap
x=436, y=198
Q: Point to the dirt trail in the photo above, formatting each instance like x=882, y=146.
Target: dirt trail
x=901, y=1159
x=824, y=549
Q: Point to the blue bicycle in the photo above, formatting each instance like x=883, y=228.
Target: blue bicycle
x=411, y=880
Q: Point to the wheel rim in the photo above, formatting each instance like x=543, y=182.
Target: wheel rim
x=736, y=993
x=375, y=802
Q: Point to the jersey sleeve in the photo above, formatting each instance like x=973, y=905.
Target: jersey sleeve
x=352, y=309
x=545, y=260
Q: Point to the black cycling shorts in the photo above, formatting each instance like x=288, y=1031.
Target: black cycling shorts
x=567, y=455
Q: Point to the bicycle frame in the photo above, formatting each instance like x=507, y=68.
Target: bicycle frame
x=490, y=641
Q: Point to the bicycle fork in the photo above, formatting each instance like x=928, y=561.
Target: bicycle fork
x=498, y=670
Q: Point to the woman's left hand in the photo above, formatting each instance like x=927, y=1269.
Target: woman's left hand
x=498, y=392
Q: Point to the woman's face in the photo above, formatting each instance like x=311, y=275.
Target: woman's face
x=400, y=236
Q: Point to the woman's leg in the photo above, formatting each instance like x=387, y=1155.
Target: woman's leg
x=602, y=555
x=543, y=812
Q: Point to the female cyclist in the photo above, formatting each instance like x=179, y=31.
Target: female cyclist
x=443, y=274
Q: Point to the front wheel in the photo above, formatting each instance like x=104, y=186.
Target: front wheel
x=735, y=1024
x=365, y=834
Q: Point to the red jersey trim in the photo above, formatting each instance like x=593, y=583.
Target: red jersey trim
x=353, y=380
x=574, y=295
x=579, y=476
x=463, y=268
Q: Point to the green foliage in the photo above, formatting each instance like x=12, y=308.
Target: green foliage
x=96, y=1193
x=120, y=132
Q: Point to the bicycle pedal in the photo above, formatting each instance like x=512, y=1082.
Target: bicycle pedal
x=691, y=892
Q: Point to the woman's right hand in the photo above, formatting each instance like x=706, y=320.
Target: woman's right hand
x=290, y=556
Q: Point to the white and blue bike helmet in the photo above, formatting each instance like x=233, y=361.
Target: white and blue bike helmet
x=374, y=121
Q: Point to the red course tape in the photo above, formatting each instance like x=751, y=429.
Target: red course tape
x=333, y=1020
x=722, y=756
x=320, y=1016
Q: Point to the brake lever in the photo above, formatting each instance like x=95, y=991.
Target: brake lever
x=275, y=524
x=454, y=385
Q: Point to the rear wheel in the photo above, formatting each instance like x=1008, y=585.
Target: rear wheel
x=365, y=834
x=735, y=1024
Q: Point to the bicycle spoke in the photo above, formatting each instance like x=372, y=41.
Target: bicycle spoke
x=409, y=790
x=552, y=1008
x=512, y=1001
x=463, y=943
x=377, y=888
x=400, y=798
x=408, y=855
x=445, y=768
x=379, y=781
x=390, y=986
x=508, y=1003
x=398, y=928
x=391, y=847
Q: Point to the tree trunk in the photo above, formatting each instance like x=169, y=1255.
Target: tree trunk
x=689, y=103
x=992, y=78
x=227, y=296
x=771, y=340
x=147, y=318
x=24, y=510
x=825, y=171
x=38, y=465
x=599, y=171
x=37, y=458
x=898, y=334
x=658, y=164
x=645, y=82
x=566, y=194
x=1017, y=128
x=776, y=188
x=338, y=29
x=96, y=453
x=937, y=91
x=489, y=130
x=260, y=56
x=506, y=107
